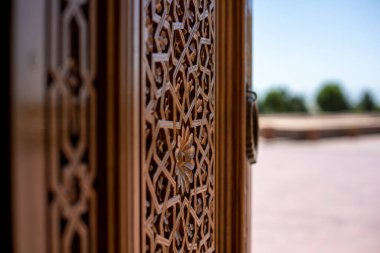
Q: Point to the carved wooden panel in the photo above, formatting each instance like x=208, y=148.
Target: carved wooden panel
x=178, y=82
x=71, y=126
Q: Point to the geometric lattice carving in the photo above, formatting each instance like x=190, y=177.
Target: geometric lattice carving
x=71, y=121
x=178, y=79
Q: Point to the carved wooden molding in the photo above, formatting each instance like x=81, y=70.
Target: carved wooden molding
x=178, y=87
x=232, y=175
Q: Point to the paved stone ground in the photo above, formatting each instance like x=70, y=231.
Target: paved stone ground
x=317, y=197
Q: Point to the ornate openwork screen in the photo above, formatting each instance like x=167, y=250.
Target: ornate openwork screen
x=178, y=82
x=71, y=126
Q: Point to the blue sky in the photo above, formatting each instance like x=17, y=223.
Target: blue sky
x=302, y=43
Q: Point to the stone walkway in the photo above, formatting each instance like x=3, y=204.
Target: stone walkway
x=317, y=197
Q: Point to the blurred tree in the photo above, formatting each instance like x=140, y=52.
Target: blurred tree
x=367, y=102
x=297, y=104
x=331, y=98
x=275, y=101
x=279, y=100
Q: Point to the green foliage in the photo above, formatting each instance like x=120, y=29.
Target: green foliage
x=275, y=101
x=367, y=103
x=297, y=104
x=279, y=100
x=331, y=98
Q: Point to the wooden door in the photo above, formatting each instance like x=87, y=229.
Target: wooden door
x=128, y=126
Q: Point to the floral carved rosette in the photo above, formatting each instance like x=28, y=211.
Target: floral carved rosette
x=184, y=155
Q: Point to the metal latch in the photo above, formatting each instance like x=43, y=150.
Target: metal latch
x=252, y=126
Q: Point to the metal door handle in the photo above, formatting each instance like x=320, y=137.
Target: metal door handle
x=252, y=127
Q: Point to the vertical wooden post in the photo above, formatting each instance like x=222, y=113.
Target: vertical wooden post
x=230, y=117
